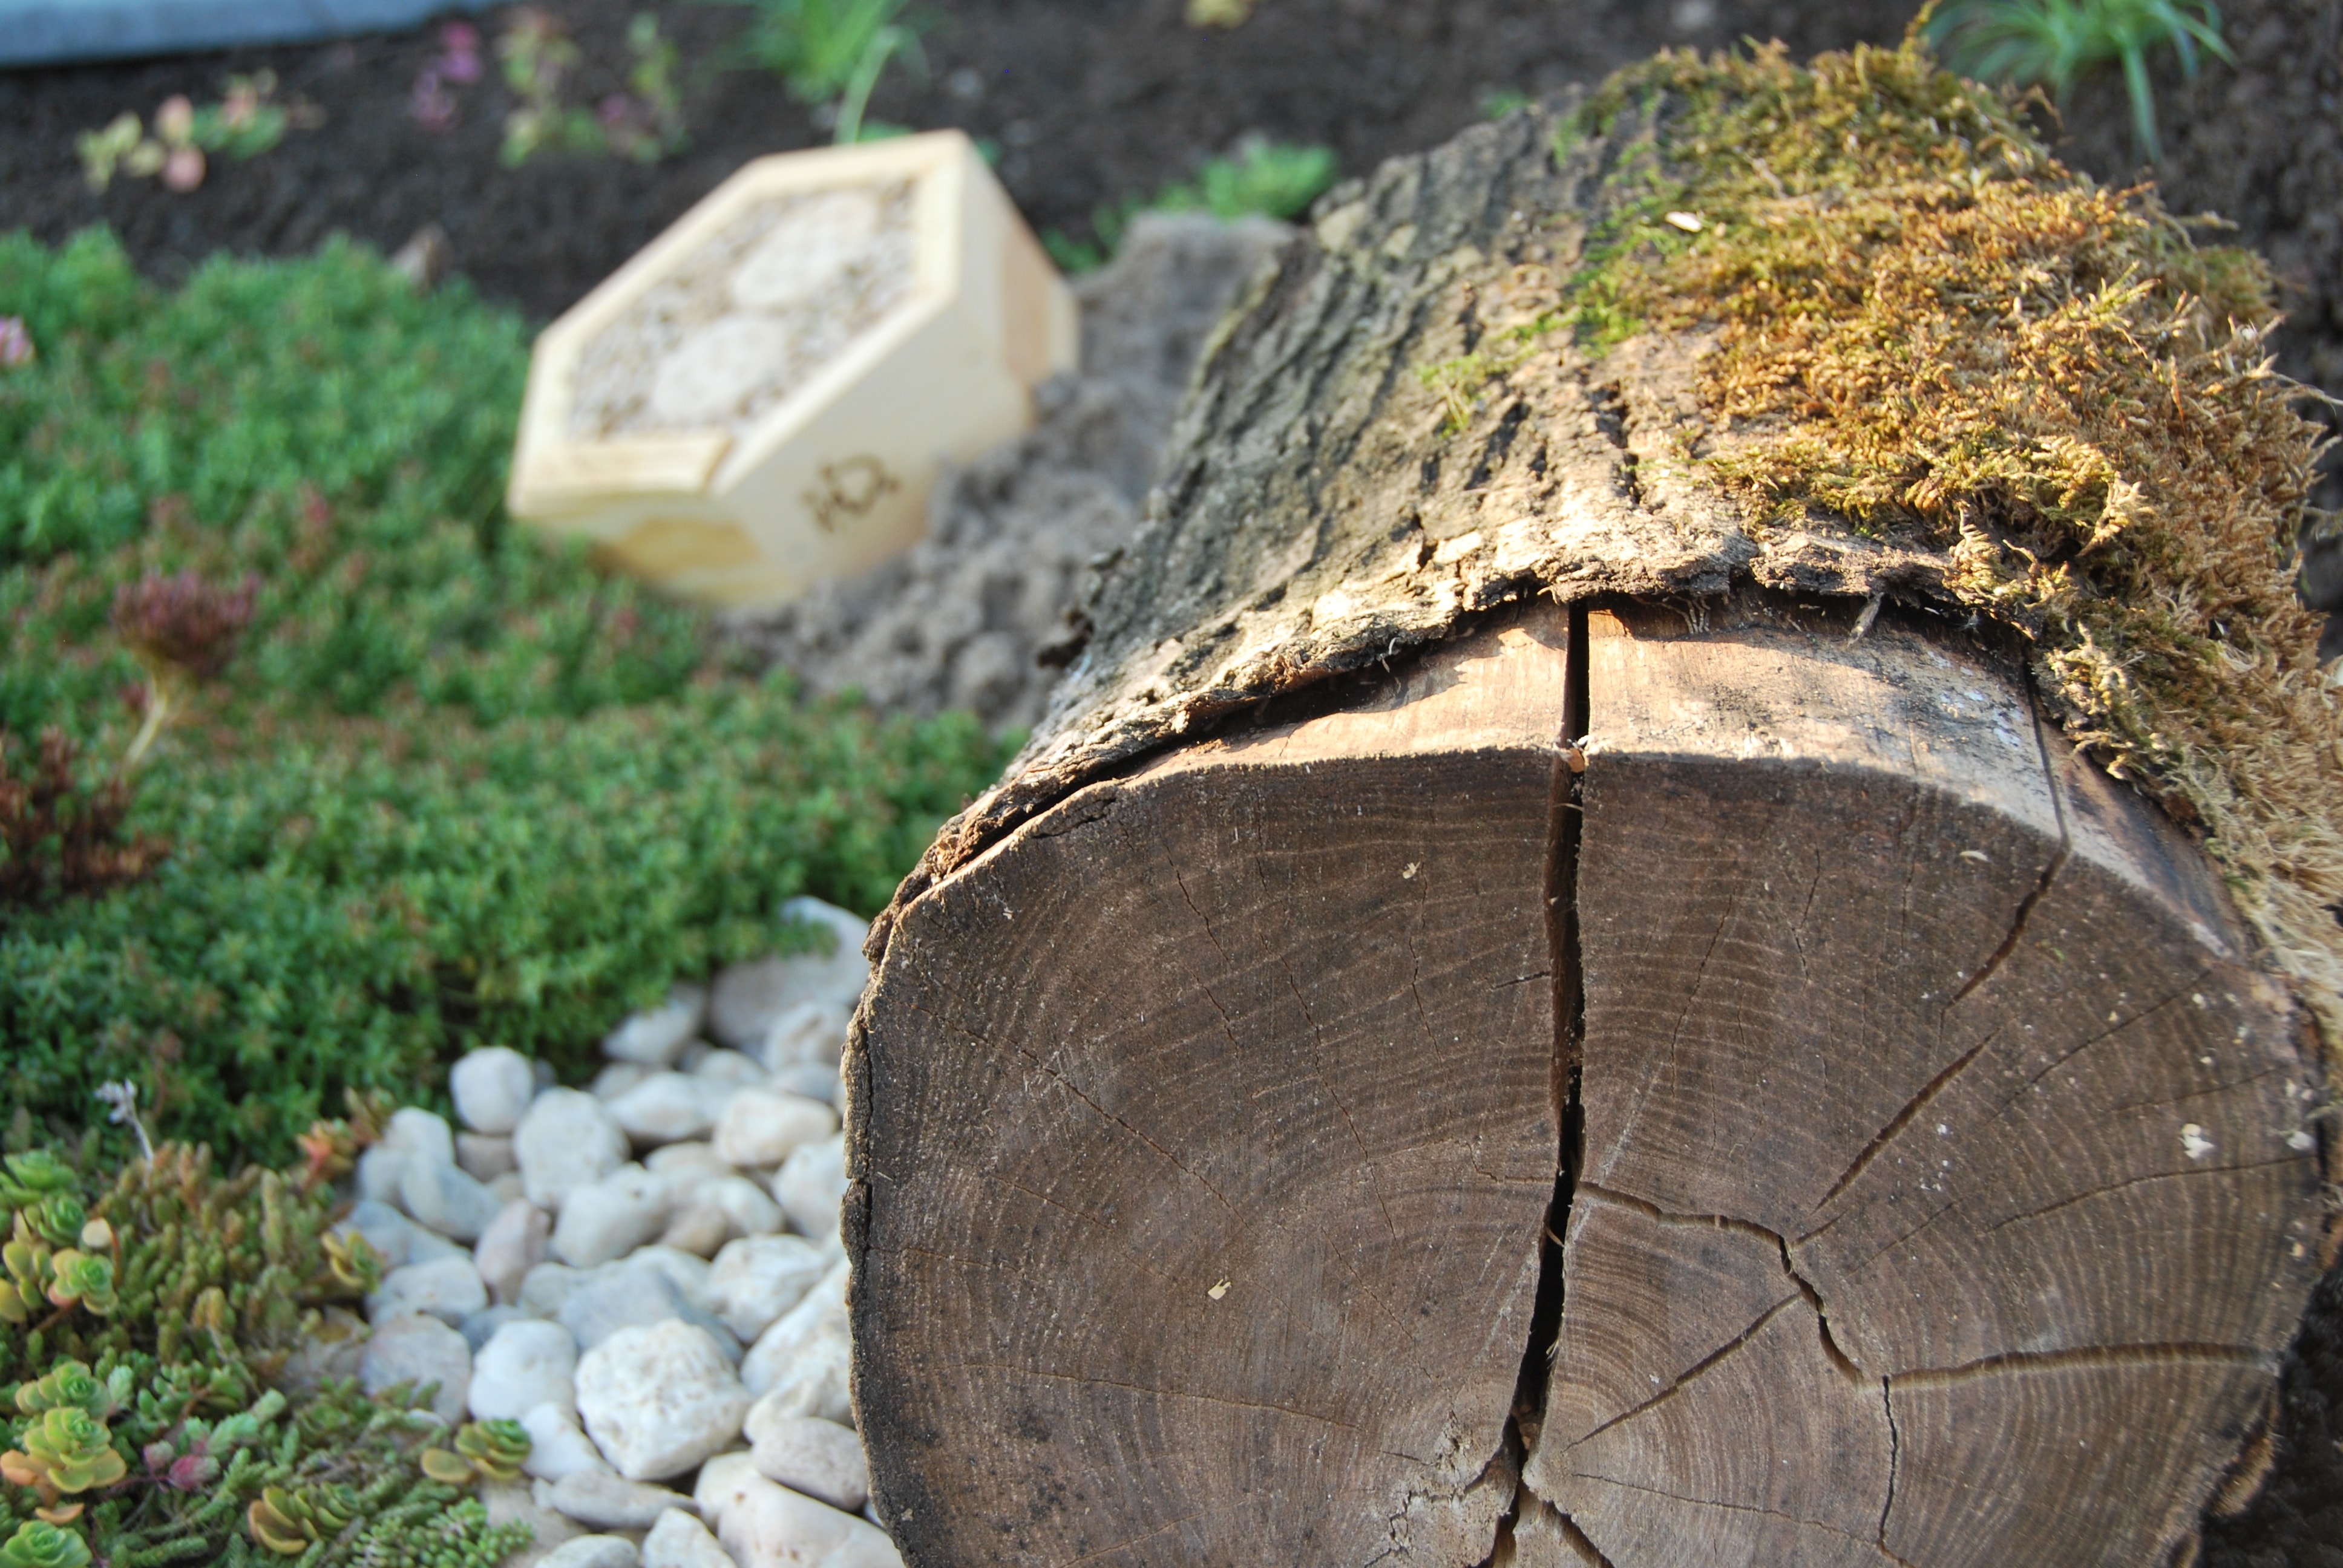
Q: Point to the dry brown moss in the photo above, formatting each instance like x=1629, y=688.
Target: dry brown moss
x=1925, y=326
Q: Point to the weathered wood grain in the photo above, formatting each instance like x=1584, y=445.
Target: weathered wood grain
x=1945, y=1177
x=1206, y=1131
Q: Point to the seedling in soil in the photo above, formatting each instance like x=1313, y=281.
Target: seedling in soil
x=1274, y=179
x=538, y=55
x=2055, y=43
x=1220, y=13
x=832, y=53
x=432, y=106
x=244, y=124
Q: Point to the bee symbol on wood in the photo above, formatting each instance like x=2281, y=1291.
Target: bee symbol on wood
x=848, y=490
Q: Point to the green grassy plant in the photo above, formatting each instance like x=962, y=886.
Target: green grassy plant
x=1274, y=179
x=455, y=787
x=833, y=52
x=2055, y=43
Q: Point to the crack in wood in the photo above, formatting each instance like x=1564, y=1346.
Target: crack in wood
x=1565, y=825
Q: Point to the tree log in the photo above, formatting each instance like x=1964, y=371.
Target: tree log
x=1406, y=1070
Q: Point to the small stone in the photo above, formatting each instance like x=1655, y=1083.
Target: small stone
x=723, y=1481
x=658, y=1401
x=412, y=1130
x=420, y=1349
x=527, y=1365
x=819, y=1458
x=668, y=1107
x=687, y=1166
x=632, y=1295
x=757, y=1279
x=545, y=1290
x=443, y=1199
x=812, y=1080
x=593, y=1552
x=492, y=1089
x=679, y=1540
x=657, y=1037
x=609, y=1218
x=800, y=1365
x=511, y=1503
x=772, y=1527
x=745, y=1205
x=700, y=1230
x=762, y=1127
x=481, y=1326
x=728, y=1067
x=379, y=1169
x=567, y=1141
x=689, y=1273
x=396, y=1240
x=335, y=1349
x=810, y=1033
x=513, y=1244
x=556, y=1446
x=485, y=1155
x=448, y=1289
x=619, y=1077
x=746, y=997
x=608, y=1502
x=507, y=1188
x=811, y=1185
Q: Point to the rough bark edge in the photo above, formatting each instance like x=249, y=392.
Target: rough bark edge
x=1206, y=615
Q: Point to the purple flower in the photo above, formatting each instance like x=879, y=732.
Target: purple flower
x=432, y=106
x=462, y=63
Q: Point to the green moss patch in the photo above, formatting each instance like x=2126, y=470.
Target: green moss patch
x=1921, y=327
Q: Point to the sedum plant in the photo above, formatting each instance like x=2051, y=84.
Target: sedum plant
x=177, y=1428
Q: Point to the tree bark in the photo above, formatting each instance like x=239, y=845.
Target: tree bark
x=1406, y=1071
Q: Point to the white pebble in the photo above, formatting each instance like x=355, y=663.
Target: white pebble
x=558, y=1447
x=568, y=1139
x=811, y=1033
x=412, y=1130
x=772, y=1527
x=445, y=1200
x=679, y=1540
x=821, y=1458
x=486, y=1155
x=811, y=1185
x=658, y=1401
x=608, y=1502
x=762, y=1127
x=593, y=1552
x=525, y=1364
x=448, y=1289
x=420, y=1349
x=513, y=1244
x=491, y=1089
x=610, y=1218
x=757, y=1279
x=657, y=1037
x=668, y=1107
x=799, y=1366
x=729, y=1067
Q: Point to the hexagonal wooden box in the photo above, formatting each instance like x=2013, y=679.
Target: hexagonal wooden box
x=762, y=397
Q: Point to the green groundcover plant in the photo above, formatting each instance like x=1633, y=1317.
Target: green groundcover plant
x=455, y=787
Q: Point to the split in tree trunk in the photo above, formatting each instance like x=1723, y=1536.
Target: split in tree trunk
x=1936, y=1199
x=1313, y=1112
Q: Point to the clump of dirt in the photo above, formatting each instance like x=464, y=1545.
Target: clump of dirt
x=963, y=619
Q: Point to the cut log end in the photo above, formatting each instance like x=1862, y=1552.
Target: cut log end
x=1927, y=1154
